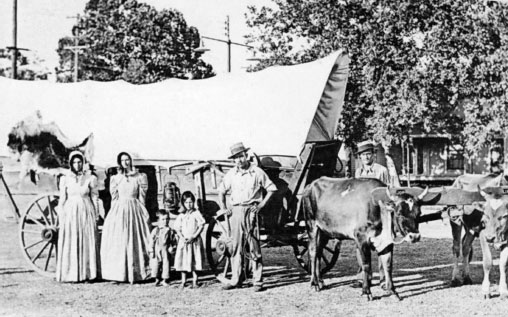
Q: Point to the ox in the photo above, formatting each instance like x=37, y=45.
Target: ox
x=353, y=209
x=495, y=222
x=469, y=218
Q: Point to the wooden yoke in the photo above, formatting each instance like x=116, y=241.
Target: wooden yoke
x=449, y=197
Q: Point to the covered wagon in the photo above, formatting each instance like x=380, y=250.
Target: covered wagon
x=179, y=133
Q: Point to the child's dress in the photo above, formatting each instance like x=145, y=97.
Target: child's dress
x=160, y=245
x=189, y=256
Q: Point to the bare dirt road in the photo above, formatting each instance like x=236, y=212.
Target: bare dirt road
x=422, y=272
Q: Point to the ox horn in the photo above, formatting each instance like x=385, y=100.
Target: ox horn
x=424, y=193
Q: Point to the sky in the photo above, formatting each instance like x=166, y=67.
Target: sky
x=42, y=22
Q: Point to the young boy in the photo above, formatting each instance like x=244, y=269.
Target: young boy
x=160, y=249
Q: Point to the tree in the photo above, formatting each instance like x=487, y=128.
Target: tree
x=30, y=65
x=433, y=65
x=132, y=41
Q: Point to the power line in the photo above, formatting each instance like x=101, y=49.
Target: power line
x=76, y=48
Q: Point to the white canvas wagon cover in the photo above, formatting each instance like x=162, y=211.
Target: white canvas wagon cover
x=274, y=111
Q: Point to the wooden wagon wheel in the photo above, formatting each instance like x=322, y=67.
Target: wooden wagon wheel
x=218, y=249
x=38, y=232
x=329, y=257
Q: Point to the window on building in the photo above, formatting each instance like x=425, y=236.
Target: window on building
x=455, y=160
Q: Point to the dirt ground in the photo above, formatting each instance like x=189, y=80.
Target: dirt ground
x=421, y=272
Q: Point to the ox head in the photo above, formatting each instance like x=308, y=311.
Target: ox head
x=495, y=216
x=404, y=206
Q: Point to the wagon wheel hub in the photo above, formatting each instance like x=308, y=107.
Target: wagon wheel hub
x=50, y=234
x=224, y=247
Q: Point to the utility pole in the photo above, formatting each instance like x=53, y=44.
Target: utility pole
x=76, y=48
x=229, y=43
x=14, y=48
x=14, y=39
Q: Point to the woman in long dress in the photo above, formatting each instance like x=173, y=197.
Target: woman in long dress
x=78, y=254
x=126, y=231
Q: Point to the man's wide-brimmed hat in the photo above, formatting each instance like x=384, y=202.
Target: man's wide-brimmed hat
x=365, y=146
x=237, y=148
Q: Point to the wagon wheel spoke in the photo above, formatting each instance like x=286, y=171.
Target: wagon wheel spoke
x=226, y=268
x=49, y=257
x=325, y=260
x=216, y=234
x=327, y=248
x=220, y=259
x=30, y=231
x=34, y=244
x=222, y=226
x=42, y=212
x=40, y=252
x=303, y=252
x=51, y=211
x=36, y=220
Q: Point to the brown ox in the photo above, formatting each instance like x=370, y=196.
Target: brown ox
x=495, y=221
x=468, y=218
x=353, y=209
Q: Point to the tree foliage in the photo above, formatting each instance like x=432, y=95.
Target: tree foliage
x=30, y=65
x=132, y=41
x=429, y=65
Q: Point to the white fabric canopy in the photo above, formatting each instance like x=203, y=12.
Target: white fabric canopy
x=271, y=111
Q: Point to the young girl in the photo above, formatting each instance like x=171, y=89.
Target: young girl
x=189, y=252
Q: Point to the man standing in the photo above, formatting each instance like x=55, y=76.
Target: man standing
x=370, y=169
x=245, y=183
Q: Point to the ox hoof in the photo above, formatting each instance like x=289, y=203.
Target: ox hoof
x=455, y=283
x=357, y=284
x=393, y=295
x=368, y=294
x=383, y=286
x=317, y=288
x=486, y=296
x=396, y=296
x=467, y=281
